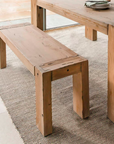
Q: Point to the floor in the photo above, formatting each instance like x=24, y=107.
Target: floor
x=16, y=9
x=8, y=132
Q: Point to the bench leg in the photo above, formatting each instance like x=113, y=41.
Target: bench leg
x=38, y=15
x=111, y=73
x=81, y=92
x=90, y=33
x=43, y=102
x=2, y=54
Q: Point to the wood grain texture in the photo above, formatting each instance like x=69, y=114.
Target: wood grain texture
x=76, y=11
x=38, y=15
x=41, y=18
x=43, y=92
x=90, y=33
x=81, y=91
x=43, y=102
x=111, y=73
x=16, y=49
x=65, y=71
x=47, y=60
x=33, y=46
x=2, y=54
x=34, y=12
x=60, y=63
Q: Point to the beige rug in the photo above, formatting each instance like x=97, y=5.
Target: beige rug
x=17, y=89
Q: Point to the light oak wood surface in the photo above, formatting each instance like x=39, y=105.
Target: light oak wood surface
x=36, y=48
x=75, y=10
x=47, y=60
x=111, y=73
x=43, y=102
x=41, y=19
x=90, y=33
x=80, y=89
x=2, y=54
x=78, y=8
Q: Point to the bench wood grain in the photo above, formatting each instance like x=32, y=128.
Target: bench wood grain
x=48, y=60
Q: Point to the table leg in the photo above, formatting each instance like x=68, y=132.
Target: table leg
x=2, y=54
x=38, y=15
x=111, y=73
x=43, y=102
x=90, y=33
x=81, y=91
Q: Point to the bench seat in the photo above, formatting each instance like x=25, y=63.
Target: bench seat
x=47, y=60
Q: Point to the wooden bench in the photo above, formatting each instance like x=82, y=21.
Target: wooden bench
x=47, y=60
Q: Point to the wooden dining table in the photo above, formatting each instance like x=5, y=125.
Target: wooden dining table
x=94, y=20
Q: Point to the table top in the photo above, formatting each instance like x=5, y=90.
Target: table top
x=75, y=10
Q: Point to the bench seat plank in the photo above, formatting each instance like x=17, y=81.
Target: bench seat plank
x=37, y=48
